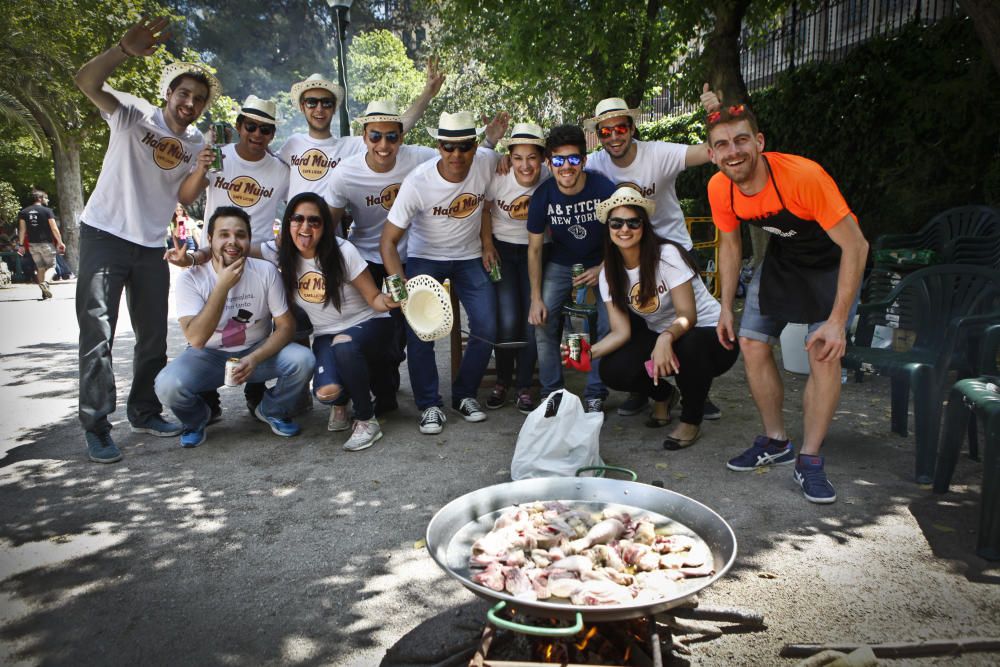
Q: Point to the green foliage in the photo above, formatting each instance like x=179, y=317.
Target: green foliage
x=379, y=69
x=9, y=205
x=906, y=126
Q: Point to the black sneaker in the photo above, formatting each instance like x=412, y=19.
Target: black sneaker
x=432, y=420
x=712, y=411
x=471, y=411
x=497, y=398
x=593, y=405
x=633, y=405
x=101, y=448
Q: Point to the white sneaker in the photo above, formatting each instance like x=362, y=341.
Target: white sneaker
x=339, y=420
x=471, y=411
x=366, y=434
x=432, y=420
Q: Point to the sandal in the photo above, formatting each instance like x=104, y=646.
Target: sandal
x=659, y=422
x=656, y=422
x=672, y=444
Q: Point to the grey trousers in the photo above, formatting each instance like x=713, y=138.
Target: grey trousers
x=108, y=265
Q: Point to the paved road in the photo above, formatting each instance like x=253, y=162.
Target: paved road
x=256, y=550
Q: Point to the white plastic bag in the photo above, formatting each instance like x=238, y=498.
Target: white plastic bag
x=559, y=444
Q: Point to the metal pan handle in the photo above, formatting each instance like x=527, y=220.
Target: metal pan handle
x=530, y=629
x=603, y=469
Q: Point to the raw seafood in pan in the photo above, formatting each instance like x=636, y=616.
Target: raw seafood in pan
x=545, y=550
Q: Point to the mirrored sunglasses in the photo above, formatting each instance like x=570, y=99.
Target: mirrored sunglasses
x=314, y=221
x=251, y=127
x=375, y=136
x=325, y=102
x=618, y=223
x=605, y=132
x=450, y=147
x=575, y=160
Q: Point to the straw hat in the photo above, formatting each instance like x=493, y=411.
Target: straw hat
x=380, y=111
x=262, y=111
x=174, y=70
x=623, y=196
x=459, y=126
x=317, y=81
x=525, y=133
x=612, y=107
x=427, y=308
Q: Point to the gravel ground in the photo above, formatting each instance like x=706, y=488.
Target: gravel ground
x=253, y=549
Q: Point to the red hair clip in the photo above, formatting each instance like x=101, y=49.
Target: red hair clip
x=714, y=117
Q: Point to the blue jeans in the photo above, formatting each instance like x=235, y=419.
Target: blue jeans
x=358, y=365
x=556, y=286
x=195, y=371
x=513, y=302
x=476, y=294
x=110, y=265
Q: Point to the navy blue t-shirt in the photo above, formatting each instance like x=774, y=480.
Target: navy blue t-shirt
x=577, y=234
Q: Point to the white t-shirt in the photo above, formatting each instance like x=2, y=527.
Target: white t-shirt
x=313, y=160
x=653, y=173
x=370, y=195
x=250, y=304
x=444, y=218
x=671, y=271
x=256, y=187
x=143, y=169
x=311, y=294
x=509, y=206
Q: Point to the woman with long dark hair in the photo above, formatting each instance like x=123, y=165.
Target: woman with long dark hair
x=327, y=277
x=662, y=319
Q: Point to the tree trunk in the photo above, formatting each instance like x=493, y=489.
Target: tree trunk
x=69, y=185
x=985, y=16
x=635, y=96
x=722, y=51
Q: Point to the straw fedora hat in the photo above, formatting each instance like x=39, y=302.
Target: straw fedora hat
x=174, y=70
x=459, y=126
x=262, y=111
x=317, y=81
x=525, y=133
x=380, y=111
x=623, y=196
x=427, y=308
x=610, y=107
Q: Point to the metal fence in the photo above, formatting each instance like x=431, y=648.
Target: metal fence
x=827, y=33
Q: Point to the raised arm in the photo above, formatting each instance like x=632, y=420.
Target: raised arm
x=141, y=39
x=435, y=79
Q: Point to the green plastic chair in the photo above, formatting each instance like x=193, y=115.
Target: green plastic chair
x=943, y=305
x=979, y=397
x=943, y=227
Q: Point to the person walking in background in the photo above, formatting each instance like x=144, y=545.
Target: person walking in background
x=37, y=225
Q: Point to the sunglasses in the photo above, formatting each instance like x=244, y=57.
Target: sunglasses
x=605, y=132
x=314, y=221
x=266, y=130
x=574, y=160
x=325, y=102
x=375, y=136
x=734, y=111
x=618, y=223
x=463, y=147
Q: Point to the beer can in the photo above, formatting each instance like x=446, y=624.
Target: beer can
x=575, y=349
x=495, y=275
x=396, y=288
x=217, y=162
x=578, y=270
x=219, y=133
x=578, y=295
x=231, y=364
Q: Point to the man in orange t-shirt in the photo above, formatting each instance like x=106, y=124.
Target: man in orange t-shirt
x=811, y=274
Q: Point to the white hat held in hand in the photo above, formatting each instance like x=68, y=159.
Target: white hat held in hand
x=427, y=308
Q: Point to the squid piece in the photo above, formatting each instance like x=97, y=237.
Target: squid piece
x=573, y=564
x=602, y=533
x=597, y=591
x=492, y=577
x=539, y=583
x=670, y=543
x=563, y=586
x=517, y=583
x=608, y=574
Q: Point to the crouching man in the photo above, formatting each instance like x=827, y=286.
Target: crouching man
x=225, y=310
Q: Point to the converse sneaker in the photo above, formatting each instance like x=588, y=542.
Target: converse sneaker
x=497, y=398
x=432, y=420
x=525, y=404
x=366, y=433
x=471, y=411
x=339, y=419
x=764, y=452
x=593, y=405
x=810, y=476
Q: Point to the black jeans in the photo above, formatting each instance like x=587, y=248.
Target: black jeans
x=109, y=265
x=699, y=353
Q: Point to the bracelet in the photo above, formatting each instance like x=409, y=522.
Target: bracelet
x=122, y=47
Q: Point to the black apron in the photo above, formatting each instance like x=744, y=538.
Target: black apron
x=798, y=280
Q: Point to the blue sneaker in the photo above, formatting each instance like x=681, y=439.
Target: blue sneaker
x=286, y=428
x=811, y=477
x=192, y=437
x=101, y=448
x=763, y=453
x=158, y=426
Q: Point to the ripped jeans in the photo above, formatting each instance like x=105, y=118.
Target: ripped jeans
x=358, y=366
